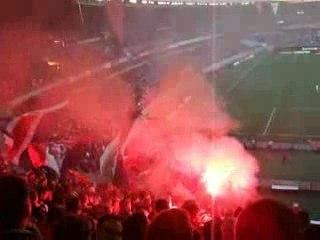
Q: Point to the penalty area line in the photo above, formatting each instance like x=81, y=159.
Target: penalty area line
x=268, y=125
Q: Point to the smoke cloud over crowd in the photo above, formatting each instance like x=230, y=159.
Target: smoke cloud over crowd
x=180, y=143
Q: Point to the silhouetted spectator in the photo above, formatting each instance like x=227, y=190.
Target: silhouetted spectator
x=125, y=208
x=312, y=233
x=303, y=220
x=73, y=204
x=207, y=229
x=192, y=208
x=172, y=224
x=15, y=209
x=55, y=215
x=161, y=205
x=109, y=228
x=134, y=228
x=15, y=204
x=73, y=227
x=266, y=219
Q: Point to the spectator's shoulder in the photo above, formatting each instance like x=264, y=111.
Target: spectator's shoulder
x=18, y=234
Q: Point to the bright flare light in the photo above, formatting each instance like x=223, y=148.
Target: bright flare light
x=228, y=171
x=218, y=177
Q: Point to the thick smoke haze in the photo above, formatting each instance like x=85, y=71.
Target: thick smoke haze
x=106, y=107
x=181, y=142
x=92, y=102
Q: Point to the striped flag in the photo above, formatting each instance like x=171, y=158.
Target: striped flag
x=18, y=132
x=38, y=155
x=22, y=130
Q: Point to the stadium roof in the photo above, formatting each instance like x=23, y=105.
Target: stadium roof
x=208, y=2
x=165, y=3
x=233, y=1
x=198, y=2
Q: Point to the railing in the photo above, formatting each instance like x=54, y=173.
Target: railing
x=289, y=185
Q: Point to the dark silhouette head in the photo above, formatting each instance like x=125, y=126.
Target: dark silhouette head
x=161, y=204
x=109, y=227
x=191, y=207
x=15, y=204
x=135, y=227
x=73, y=204
x=73, y=227
x=172, y=224
x=264, y=220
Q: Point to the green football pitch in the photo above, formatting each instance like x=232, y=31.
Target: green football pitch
x=275, y=96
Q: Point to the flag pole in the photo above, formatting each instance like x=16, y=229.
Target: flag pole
x=3, y=150
x=213, y=215
x=80, y=12
x=213, y=59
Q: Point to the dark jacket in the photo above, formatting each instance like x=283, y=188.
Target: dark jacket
x=17, y=234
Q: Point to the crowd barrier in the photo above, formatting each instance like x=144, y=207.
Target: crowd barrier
x=289, y=185
x=282, y=146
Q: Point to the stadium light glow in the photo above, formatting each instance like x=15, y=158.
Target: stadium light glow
x=163, y=3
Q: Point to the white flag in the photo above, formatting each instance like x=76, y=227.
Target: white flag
x=107, y=159
x=275, y=6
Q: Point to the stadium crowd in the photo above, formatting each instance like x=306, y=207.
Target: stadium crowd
x=49, y=208
x=36, y=207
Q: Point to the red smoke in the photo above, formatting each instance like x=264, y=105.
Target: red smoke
x=105, y=106
x=99, y=103
x=180, y=143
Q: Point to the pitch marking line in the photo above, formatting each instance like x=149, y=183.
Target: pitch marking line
x=268, y=125
x=243, y=75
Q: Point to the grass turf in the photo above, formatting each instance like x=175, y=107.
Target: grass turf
x=283, y=84
x=274, y=96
